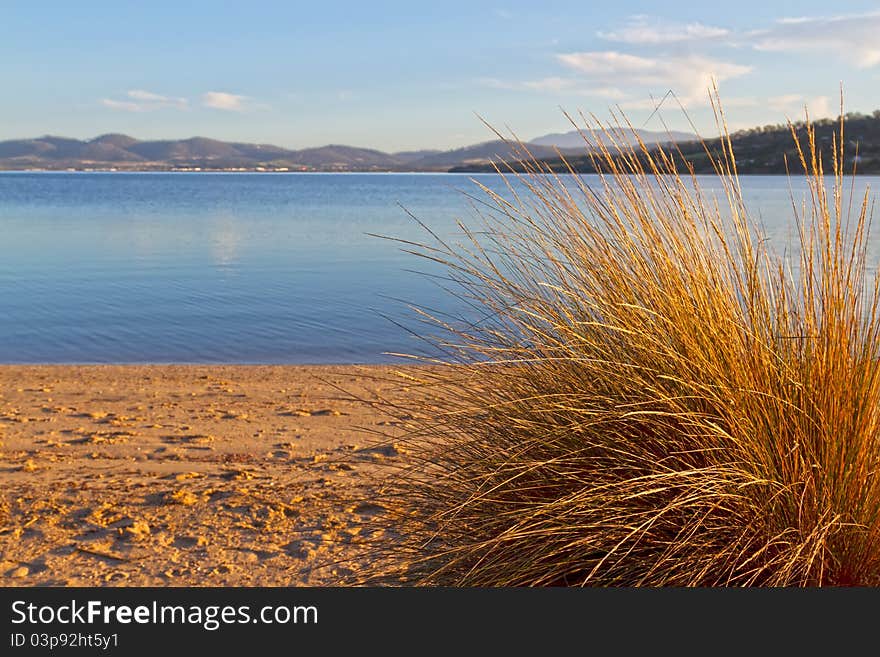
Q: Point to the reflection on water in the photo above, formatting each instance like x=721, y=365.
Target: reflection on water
x=233, y=267
x=225, y=241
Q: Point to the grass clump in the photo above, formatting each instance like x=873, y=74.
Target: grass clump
x=652, y=396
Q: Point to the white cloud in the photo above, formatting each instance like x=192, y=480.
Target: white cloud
x=122, y=105
x=150, y=97
x=632, y=79
x=674, y=56
x=224, y=101
x=689, y=76
x=139, y=100
x=607, y=63
x=850, y=37
x=642, y=30
x=558, y=85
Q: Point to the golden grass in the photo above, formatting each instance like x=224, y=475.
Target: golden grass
x=653, y=396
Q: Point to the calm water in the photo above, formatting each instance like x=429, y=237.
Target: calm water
x=232, y=267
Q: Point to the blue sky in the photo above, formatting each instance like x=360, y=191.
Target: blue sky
x=407, y=75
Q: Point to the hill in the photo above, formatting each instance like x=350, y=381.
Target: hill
x=762, y=150
x=127, y=153
x=122, y=152
x=577, y=139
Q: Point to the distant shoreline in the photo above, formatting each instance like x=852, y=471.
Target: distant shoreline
x=456, y=172
x=767, y=150
x=253, y=171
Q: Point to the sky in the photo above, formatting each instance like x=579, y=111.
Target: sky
x=412, y=75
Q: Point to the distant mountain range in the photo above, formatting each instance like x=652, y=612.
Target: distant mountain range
x=575, y=139
x=124, y=153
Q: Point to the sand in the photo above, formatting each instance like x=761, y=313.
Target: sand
x=189, y=475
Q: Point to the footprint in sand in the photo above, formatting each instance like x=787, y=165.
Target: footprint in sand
x=190, y=439
x=367, y=509
x=190, y=541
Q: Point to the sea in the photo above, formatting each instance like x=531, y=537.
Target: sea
x=249, y=267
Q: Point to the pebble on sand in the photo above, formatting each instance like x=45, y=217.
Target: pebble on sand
x=138, y=530
x=183, y=497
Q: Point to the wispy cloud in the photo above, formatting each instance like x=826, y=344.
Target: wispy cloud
x=662, y=62
x=555, y=84
x=643, y=30
x=690, y=76
x=851, y=37
x=222, y=100
x=138, y=100
x=123, y=105
x=631, y=79
x=150, y=97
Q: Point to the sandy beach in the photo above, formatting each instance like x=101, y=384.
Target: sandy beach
x=189, y=475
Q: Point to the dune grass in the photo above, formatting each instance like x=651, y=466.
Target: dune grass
x=652, y=395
